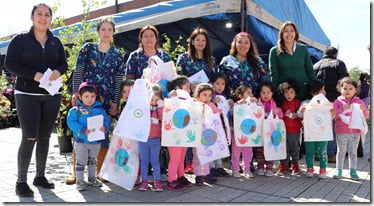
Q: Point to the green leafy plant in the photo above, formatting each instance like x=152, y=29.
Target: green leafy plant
x=173, y=48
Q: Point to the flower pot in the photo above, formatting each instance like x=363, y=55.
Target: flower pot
x=65, y=144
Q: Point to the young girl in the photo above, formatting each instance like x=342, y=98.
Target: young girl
x=293, y=125
x=150, y=151
x=219, y=81
x=176, y=179
x=240, y=96
x=346, y=138
x=203, y=93
x=86, y=150
x=267, y=91
x=314, y=87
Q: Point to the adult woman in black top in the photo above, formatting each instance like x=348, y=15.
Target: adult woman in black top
x=29, y=55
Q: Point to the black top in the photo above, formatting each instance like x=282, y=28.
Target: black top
x=26, y=56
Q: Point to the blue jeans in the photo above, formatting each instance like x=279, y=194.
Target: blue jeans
x=331, y=145
x=189, y=155
x=149, y=152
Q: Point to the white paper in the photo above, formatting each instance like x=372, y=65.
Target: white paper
x=51, y=86
x=94, y=124
x=199, y=77
x=159, y=70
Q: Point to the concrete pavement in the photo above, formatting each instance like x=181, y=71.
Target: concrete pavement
x=258, y=189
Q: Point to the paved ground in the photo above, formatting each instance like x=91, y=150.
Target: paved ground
x=258, y=189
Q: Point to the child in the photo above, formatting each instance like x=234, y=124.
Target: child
x=125, y=92
x=346, y=138
x=219, y=81
x=176, y=180
x=85, y=150
x=203, y=93
x=293, y=125
x=314, y=88
x=149, y=151
x=240, y=96
x=267, y=91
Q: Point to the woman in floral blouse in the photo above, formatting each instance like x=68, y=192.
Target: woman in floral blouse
x=148, y=46
x=199, y=56
x=243, y=65
x=102, y=65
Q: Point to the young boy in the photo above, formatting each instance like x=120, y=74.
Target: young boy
x=85, y=150
x=293, y=124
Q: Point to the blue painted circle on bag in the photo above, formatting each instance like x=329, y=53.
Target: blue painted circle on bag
x=276, y=137
x=248, y=126
x=318, y=120
x=121, y=157
x=181, y=118
x=209, y=137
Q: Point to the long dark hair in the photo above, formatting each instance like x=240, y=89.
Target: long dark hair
x=252, y=55
x=40, y=4
x=207, y=54
x=281, y=47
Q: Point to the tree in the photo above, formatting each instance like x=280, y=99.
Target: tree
x=355, y=73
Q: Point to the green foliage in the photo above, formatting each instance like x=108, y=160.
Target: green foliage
x=174, y=49
x=355, y=73
x=73, y=38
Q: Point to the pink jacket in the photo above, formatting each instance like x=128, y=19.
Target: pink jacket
x=340, y=126
x=156, y=119
x=269, y=106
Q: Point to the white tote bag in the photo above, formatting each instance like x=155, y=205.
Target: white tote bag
x=274, y=137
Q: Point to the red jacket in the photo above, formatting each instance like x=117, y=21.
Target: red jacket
x=156, y=118
x=292, y=125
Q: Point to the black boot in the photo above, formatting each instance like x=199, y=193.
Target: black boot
x=23, y=190
x=43, y=182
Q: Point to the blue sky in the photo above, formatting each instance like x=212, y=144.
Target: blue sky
x=345, y=22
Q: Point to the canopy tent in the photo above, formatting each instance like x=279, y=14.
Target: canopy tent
x=262, y=19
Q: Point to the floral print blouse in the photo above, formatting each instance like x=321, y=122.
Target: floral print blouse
x=188, y=67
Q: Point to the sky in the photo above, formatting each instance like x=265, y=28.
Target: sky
x=345, y=22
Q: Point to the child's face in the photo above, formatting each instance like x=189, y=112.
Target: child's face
x=125, y=92
x=205, y=96
x=219, y=85
x=187, y=87
x=266, y=94
x=289, y=94
x=348, y=91
x=247, y=93
x=154, y=100
x=88, y=98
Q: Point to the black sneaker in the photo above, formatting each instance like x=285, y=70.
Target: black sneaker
x=43, y=182
x=210, y=179
x=175, y=186
x=222, y=172
x=199, y=180
x=215, y=172
x=184, y=181
x=23, y=190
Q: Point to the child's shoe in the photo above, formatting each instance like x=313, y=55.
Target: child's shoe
x=269, y=172
x=215, y=172
x=309, y=172
x=248, y=174
x=43, y=182
x=222, y=172
x=189, y=169
x=338, y=174
x=260, y=171
x=143, y=186
x=199, y=180
x=184, y=181
x=322, y=173
x=282, y=170
x=164, y=177
x=138, y=180
x=295, y=169
x=94, y=182
x=235, y=173
x=354, y=175
x=157, y=186
x=81, y=185
x=175, y=186
x=209, y=179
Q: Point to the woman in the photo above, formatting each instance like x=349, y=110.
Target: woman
x=101, y=64
x=243, y=65
x=29, y=55
x=198, y=57
x=290, y=60
x=148, y=46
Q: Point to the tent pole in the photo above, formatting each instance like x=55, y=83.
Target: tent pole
x=242, y=13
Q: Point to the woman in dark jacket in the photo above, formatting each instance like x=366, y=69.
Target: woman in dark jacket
x=29, y=55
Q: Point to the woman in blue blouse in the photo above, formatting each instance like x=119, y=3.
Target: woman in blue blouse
x=148, y=46
x=199, y=56
x=243, y=65
x=101, y=64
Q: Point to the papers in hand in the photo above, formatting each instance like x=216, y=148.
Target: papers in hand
x=51, y=86
x=94, y=124
x=199, y=77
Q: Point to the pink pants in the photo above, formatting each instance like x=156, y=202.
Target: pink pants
x=247, y=155
x=176, y=162
x=199, y=169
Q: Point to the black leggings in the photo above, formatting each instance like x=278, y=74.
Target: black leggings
x=37, y=115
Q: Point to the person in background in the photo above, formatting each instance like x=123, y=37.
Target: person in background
x=330, y=70
x=29, y=55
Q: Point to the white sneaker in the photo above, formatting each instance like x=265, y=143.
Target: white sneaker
x=248, y=174
x=235, y=174
x=269, y=173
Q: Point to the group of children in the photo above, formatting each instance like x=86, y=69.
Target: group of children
x=290, y=110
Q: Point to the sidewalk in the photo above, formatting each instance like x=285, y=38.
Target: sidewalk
x=258, y=189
